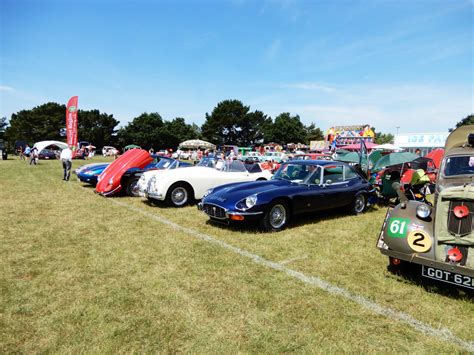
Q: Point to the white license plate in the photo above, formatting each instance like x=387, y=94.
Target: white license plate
x=448, y=276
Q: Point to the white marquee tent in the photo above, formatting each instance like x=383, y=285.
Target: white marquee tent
x=197, y=143
x=44, y=144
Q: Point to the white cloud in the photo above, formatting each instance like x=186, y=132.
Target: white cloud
x=413, y=108
x=272, y=51
x=310, y=87
x=4, y=88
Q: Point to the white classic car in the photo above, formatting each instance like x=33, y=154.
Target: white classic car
x=180, y=186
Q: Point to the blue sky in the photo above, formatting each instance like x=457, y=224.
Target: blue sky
x=406, y=64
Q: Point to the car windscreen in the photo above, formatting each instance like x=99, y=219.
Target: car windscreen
x=458, y=165
x=166, y=164
x=295, y=172
x=230, y=166
x=207, y=162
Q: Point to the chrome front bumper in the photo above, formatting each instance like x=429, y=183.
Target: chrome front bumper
x=227, y=212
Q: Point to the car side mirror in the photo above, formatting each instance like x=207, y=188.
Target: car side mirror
x=328, y=182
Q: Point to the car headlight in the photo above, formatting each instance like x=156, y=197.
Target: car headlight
x=423, y=211
x=111, y=181
x=151, y=185
x=208, y=192
x=247, y=203
x=251, y=201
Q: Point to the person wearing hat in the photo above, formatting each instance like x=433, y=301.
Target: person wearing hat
x=66, y=159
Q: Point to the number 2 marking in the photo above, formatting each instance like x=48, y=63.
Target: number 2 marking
x=419, y=241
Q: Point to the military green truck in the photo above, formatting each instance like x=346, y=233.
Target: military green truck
x=440, y=238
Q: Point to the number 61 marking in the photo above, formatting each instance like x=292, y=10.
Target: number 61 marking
x=397, y=227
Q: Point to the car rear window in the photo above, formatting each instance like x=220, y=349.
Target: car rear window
x=333, y=174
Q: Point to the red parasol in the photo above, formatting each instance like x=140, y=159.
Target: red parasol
x=436, y=155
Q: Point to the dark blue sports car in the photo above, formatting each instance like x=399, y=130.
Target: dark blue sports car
x=299, y=186
x=90, y=172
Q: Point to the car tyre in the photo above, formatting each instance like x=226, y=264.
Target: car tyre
x=131, y=188
x=178, y=195
x=359, y=205
x=276, y=217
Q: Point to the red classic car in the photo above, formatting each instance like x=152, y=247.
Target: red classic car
x=109, y=181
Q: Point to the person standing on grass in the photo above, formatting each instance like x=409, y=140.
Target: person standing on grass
x=34, y=156
x=20, y=153
x=27, y=151
x=66, y=159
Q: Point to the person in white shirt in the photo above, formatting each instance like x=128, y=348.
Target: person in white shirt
x=66, y=158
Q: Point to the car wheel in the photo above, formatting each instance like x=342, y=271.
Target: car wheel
x=178, y=195
x=359, y=204
x=132, y=187
x=276, y=218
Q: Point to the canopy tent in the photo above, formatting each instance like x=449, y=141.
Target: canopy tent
x=374, y=157
x=44, y=144
x=197, y=143
x=388, y=146
x=131, y=146
x=348, y=157
x=394, y=159
x=356, y=146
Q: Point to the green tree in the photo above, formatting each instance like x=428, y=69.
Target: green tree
x=48, y=121
x=252, y=128
x=97, y=128
x=466, y=121
x=224, y=124
x=176, y=131
x=313, y=133
x=382, y=138
x=3, y=124
x=286, y=129
x=43, y=122
x=144, y=130
x=149, y=130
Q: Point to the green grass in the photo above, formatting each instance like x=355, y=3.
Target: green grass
x=79, y=273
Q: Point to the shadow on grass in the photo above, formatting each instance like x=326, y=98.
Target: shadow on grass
x=86, y=185
x=156, y=203
x=411, y=274
x=295, y=221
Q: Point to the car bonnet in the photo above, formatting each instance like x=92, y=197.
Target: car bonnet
x=238, y=191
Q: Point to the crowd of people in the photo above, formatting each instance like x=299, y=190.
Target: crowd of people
x=29, y=153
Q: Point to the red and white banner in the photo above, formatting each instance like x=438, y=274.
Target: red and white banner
x=71, y=124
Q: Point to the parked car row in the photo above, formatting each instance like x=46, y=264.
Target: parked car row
x=439, y=237
x=234, y=191
x=125, y=178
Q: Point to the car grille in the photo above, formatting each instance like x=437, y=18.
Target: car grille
x=460, y=226
x=213, y=211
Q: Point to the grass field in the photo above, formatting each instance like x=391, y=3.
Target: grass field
x=83, y=273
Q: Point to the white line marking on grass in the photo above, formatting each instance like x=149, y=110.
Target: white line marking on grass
x=440, y=333
x=285, y=262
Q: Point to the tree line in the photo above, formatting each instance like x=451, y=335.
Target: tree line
x=230, y=122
